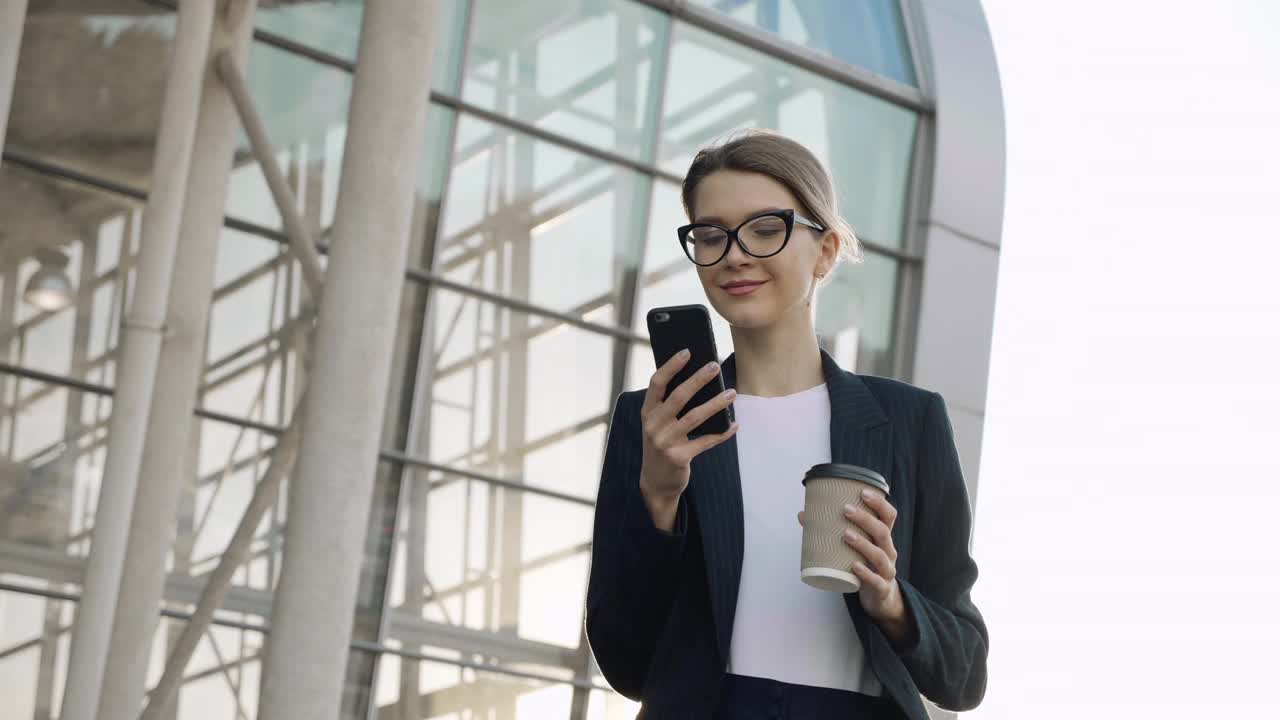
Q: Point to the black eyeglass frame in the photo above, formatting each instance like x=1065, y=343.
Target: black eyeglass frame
x=790, y=217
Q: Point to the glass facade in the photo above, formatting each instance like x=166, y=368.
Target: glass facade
x=544, y=227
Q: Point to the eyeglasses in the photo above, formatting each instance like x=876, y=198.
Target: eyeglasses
x=759, y=236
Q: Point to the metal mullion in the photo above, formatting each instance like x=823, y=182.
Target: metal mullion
x=357, y=645
x=853, y=76
x=913, y=25
x=81, y=385
x=429, y=278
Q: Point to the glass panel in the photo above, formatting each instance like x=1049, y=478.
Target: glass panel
x=585, y=69
x=502, y=386
x=80, y=235
x=52, y=456
x=89, y=87
x=474, y=559
x=866, y=142
x=35, y=640
x=868, y=33
x=333, y=26
x=221, y=681
x=304, y=105
x=416, y=688
x=229, y=461
x=52, y=452
x=531, y=220
x=855, y=315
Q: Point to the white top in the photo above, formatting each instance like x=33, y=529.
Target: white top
x=784, y=629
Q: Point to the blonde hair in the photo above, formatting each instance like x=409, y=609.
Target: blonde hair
x=790, y=163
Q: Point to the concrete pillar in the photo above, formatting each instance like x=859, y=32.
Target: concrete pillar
x=141, y=337
x=12, y=18
x=330, y=493
x=164, y=461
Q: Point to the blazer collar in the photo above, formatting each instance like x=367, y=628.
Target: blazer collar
x=860, y=435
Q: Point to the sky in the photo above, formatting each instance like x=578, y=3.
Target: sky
x=1129, y=493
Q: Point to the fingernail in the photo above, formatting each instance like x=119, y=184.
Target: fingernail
x=868, y=493
x=731, y=394
x=709, y=366
x=850, y=534
x=683, y=353
x=848, y=508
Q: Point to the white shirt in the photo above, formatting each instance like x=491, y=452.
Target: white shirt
x=784, y=629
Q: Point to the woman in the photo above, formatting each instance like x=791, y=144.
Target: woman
x=695, y=605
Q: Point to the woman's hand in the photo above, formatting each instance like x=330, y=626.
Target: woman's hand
x=880, y=594
x=668, y=451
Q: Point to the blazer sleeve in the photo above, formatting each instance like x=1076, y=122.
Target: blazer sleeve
x=947, y=652
x=634, y=564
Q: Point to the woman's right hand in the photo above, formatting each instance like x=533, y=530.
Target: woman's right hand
x=668, y=450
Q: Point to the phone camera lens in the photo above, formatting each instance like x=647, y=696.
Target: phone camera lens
x=661, y=317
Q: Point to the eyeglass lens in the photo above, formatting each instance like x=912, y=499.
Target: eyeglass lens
x=762, y=236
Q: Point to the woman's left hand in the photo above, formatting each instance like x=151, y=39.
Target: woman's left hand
x=879, y=595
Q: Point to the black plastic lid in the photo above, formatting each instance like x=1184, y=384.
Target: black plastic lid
x=849, y=472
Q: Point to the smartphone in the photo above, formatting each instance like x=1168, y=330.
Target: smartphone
x=674, y=328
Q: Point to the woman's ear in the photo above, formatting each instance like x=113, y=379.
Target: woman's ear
x=829, y=253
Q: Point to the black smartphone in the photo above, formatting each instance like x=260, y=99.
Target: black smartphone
x=671, y=329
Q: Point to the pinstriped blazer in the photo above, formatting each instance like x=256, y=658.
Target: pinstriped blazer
x=660, y=606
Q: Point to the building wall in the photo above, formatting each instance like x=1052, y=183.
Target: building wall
x=962, y=222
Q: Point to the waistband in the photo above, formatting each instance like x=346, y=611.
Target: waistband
x=743, y=697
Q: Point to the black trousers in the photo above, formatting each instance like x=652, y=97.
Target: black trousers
x=743, y=697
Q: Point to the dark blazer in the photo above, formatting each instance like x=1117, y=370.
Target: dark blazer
x=660, y=606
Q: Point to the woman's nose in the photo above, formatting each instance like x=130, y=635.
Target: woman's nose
x=735, y=256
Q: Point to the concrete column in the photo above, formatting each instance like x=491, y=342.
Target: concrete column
x=330, y=493
x=13, y=14
x=165, y=457
x=141, y=337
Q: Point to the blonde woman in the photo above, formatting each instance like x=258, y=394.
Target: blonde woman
x=695, y=605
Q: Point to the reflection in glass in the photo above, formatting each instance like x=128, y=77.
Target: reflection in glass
x=333, y=27
x=89, y=86
x=35, y=639
x=869, y=33
x=855, y=315
x=51, y=458
x=585, y=69
x=221, y=682
x=528, y=219
x=866, y=142
x=98, y=233
x=410, y=687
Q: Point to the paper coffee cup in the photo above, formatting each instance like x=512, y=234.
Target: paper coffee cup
x=825, y=557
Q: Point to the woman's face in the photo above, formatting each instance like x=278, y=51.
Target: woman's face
x=727, y=197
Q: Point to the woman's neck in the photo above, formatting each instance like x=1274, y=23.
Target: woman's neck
x=778, y=360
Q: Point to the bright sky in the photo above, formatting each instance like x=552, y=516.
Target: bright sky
x=1129, y=498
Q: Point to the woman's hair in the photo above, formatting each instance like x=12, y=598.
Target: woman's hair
x=785, y=160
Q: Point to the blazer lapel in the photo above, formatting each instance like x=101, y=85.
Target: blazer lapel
x=860, y=435
x=717, y=502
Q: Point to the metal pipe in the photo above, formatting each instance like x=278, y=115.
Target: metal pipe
x=330, y=495
x=12, y=16
x=141, y=338
x=177, y=377
x=300, y=240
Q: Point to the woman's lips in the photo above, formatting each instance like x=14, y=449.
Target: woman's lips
x=742, y=289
